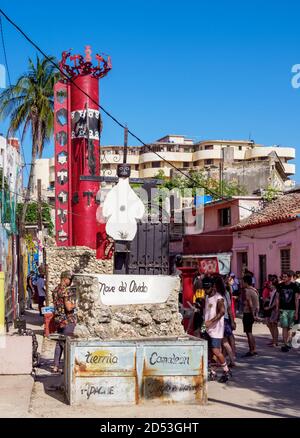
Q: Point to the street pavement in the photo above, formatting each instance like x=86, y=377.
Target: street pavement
x=267, y=385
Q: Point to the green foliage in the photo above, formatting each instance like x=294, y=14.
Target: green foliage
x=161, y=175
x=199, y=179
x=29, y=103
x=32, y=215
x=30, y=244
x=270, y=193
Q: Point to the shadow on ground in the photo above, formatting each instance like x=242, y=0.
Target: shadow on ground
x=272, y=374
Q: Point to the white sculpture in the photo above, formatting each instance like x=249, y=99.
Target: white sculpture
x=122, y=207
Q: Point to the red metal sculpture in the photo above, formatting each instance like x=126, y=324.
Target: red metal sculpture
x=77, y=129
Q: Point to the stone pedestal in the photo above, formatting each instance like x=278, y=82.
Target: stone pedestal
x=96, y=320
x=76, y=259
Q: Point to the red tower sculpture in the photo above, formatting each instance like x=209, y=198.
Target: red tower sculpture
x=77, y=129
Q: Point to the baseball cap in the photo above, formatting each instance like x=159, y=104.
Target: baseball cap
x=66, y=274
x=207, y=282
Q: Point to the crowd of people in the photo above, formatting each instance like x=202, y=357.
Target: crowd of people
x=217, y=301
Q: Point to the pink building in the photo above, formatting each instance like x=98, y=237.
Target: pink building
x=216, y=240
x=267, y=242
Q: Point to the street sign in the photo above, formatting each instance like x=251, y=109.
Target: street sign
x=209, y=265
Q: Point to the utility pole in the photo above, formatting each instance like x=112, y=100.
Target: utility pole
x=39, y=193
x=125, y=161
x=221, y=173
x=125, y=145
x=40, y=221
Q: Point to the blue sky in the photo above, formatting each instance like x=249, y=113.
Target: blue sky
x=208, y=70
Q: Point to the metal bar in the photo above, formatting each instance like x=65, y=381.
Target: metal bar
x=125, y=145
x=115, y=179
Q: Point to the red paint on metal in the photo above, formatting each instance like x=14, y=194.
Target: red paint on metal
x=80, y=228
x=85, y=228
x=60, y=104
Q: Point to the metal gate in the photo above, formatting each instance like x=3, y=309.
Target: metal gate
x=147, y=254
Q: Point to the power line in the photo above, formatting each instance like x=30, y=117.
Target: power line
x=9, y=81
x=209, y=234
x=229, y=199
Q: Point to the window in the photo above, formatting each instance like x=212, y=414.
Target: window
x=209, y=147
x=208, y=162
x=225, y=217
x=155, y=164
x=186, y=164
x=136, y=167
x=240, y=148
x=285, y=260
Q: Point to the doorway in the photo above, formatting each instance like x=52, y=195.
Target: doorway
x=242, y=263
x=262, y=270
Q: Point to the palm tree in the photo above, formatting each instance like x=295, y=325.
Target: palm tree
x=29, y=104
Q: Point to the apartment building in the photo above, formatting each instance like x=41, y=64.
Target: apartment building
x=241, y=159
x=45, y=171
x=184, y=154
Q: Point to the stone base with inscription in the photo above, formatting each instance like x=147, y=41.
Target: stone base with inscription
x=127, y=307
x=133, y=372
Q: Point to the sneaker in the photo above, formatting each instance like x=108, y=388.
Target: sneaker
x=285, y=349
x=212, y=376
x=225, y=377
x=250, y=354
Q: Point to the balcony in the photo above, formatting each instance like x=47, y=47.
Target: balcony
x=210, y=154
x=148, y=157
x=289, y=169
x=264, y=151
